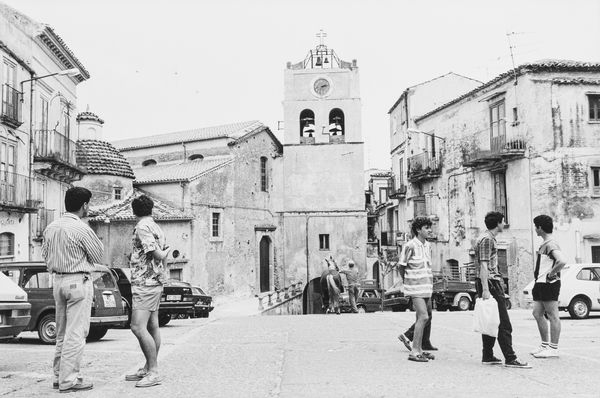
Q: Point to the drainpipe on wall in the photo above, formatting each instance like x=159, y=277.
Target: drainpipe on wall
x=578, y=258
x=30, y=158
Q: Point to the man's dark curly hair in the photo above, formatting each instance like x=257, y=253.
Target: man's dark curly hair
x=492, y=219
x=544, y=222
x=419, y=223
x=142, y=206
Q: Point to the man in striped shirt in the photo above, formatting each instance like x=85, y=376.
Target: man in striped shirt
x=418, y=283
x=71, y=249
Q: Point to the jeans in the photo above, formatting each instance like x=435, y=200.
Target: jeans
x=353, y=296
x=73, y=296
x=426, y=331
x=504, y=329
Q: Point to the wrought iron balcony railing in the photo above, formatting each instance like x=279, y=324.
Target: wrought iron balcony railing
x=50, y=145
x=10, y=113
x=483, y=149
x=396, y=188
x=14, y=190
x=424, y=166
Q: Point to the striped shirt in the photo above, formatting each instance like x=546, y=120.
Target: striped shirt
x=71, y=246
x=416, y=260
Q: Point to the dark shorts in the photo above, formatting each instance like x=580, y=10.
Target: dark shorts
x=546, y=291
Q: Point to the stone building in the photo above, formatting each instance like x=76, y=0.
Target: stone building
x=524, y=143
x=223, y=177
x=37, y=136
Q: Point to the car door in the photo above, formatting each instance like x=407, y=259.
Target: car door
x=107, y=299
x=371, y=299
x=37, y=283
x=595, y=295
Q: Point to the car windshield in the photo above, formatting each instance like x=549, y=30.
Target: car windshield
x=103, y=280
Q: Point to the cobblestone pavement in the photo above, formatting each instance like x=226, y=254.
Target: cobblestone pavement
x=352, y=355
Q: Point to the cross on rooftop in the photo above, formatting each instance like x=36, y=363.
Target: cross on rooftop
x=321, y=35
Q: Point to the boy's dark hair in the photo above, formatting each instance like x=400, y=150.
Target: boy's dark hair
x=492, y=219
x=75, y=197
x=142, y=206
x=419, y=223
x=544, y=222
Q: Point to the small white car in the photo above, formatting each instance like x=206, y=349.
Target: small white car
x=579, y=290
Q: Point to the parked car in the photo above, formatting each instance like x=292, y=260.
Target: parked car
x=203, y=303
x=177, y=298
x=394, y=299
x=579, y=290
x=108, y=310
x=15, y=310
x=369, y=298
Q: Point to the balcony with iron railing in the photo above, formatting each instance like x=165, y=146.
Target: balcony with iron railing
x=55, y=155
x=10, y=112
x=424, y=166
x=396, y=188
x=483, y=149
x=14, y=193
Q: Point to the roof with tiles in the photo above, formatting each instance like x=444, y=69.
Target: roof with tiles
x=100, y=157
x=186, y=171
x=233, y=131
x=122, y=211
x=87, y=115
x=548, y=65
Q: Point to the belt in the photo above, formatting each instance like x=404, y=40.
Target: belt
x=71, y=273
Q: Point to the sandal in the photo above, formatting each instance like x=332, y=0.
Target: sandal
x=417, y=358
x=428, y=355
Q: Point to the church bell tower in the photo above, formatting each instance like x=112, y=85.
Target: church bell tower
x=323, y=163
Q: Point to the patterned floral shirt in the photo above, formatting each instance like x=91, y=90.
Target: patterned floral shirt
x=147, y=237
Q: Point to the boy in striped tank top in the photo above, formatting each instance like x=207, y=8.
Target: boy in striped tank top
x=418, y=282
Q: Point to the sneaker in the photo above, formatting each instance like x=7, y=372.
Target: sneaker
x=79, y=386
x=404, y=340
x=547, y=353
x=137, y=376
x=149, y=380
x=492, y=361
x=515, y=363
x=538, y=350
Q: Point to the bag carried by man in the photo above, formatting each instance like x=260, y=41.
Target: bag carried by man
x=486, y=318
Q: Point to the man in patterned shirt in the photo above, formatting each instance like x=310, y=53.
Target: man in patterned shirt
x=147, y=278
x=489, y=283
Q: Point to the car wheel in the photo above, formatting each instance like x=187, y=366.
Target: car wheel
x=96, y=333
x=579, y=308
x=464, y=304
x=47, y=329
x=361, y=309
x=163, y=319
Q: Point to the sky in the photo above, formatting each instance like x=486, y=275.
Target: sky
x=163, y=66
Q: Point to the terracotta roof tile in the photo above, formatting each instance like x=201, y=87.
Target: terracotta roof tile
x=546, y=65
x=100, y=157
x=234, y=131
x=122, y=210
x=186, y=171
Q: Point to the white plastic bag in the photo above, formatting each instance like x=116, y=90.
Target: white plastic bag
x=486, y=318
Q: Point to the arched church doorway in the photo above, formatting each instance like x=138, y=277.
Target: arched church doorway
x=312, y=302
x=265, y=264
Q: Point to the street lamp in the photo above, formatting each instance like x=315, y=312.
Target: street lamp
x=66, y=72
x=415, y=131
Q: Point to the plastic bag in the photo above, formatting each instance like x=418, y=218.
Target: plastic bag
x=486, y=318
